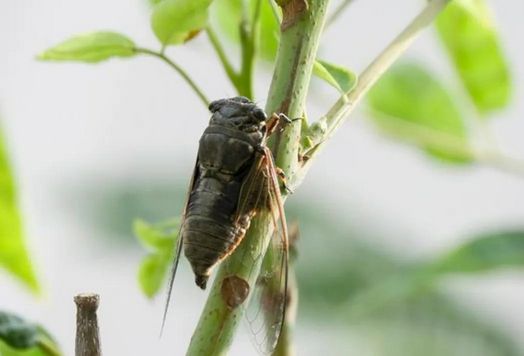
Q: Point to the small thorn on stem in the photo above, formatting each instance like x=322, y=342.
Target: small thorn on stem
x=282, y=175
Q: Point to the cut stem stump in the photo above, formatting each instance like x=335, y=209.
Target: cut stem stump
x=87, y=334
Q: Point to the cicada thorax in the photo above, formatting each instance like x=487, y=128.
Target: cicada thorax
x=214, y=222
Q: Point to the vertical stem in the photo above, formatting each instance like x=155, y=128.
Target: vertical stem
x=297, y=52
x=301, y=29
x=87, y=335
x=245, y=86
x=226, y=64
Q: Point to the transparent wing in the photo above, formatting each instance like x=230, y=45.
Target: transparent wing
x=266, y=312
x=178, y=249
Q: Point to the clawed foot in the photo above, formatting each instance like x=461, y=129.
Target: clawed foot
x=282, y=176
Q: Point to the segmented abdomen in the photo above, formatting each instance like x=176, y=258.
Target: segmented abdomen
x=209, y=232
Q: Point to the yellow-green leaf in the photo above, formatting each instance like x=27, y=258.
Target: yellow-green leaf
x=160, y=240
x=156, y=238
x=91, y=47
x=469, y=34
x=409, y=103
x=338, y=77
x=176, y=21
x=152, y=272
x=14, y=256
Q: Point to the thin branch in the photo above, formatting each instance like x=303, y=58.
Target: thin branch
x=232, y=74
x=249, y=37
x=347, y=102
x=247, y=59
x=180, y=71
x=495, y=159
x=255, y=21
x=339, y=10
x=423, y=136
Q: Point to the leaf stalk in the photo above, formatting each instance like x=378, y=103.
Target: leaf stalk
x=199, y=92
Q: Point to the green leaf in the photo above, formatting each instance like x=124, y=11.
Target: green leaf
x=160, y=239
x=16, y=332
x=152, y=272
x=411, y=104
x=9, y=351
x=471, y=39
x=408, y=320
x=14, y=256
x=20, y=337
x=339, y=77
x=269, y=31
x=485, y=253
x=156, y=238
x=176, y=21
x=229, y=16
x=92, y=47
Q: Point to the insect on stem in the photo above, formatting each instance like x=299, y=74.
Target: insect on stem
x=234, y=179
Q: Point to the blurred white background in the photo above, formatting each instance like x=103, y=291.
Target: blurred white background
x=132, y=119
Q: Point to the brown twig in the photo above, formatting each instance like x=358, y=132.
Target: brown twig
x=87, y=334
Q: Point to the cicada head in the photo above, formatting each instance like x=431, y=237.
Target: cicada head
x=238, y=112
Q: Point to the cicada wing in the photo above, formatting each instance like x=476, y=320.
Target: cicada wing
x=179, y=245
x=254, y=190
x=266, y=311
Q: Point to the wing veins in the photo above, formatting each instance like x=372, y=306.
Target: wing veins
x=178, y=249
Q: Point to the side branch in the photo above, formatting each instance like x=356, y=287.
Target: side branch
x=228, y=67
x=178, y=69
x=338, y=113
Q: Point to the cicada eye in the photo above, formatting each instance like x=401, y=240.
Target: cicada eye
x=259, y=114
x=216, y=105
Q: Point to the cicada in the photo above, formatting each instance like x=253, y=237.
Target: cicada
x=235, y=178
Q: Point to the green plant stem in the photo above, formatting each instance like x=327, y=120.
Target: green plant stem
x=347, y=102
x=294, y=63
x=339, y=10
x=497, y=160
x=425, y=137
x=179, y=70
x=228, y=67
x=249, y=36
